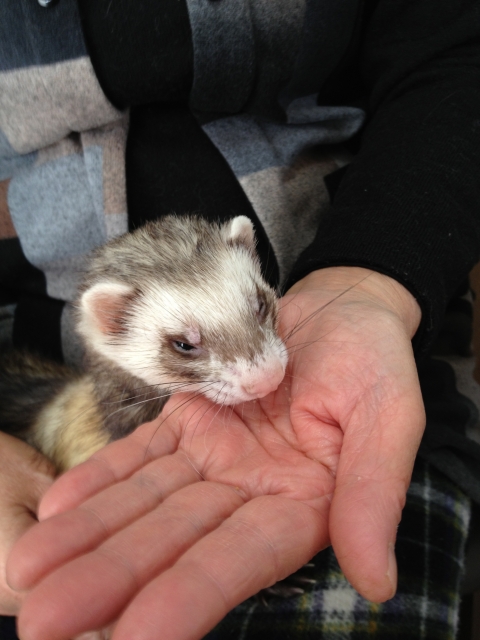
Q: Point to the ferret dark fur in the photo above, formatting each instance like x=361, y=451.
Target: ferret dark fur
x=179, y=304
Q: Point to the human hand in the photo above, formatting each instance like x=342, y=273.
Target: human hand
x=241, y=498
x=363, y=381
x=25, y=475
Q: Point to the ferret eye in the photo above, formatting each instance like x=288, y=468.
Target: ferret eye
x=182, y=347
x=262, y=308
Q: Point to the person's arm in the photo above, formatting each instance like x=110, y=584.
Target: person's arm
x=408, y=204
x=141, y=54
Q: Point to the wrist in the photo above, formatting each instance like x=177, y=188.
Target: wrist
x=357, y=283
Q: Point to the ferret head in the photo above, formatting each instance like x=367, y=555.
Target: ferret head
x=181, y=303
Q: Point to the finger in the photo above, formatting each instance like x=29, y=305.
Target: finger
x=117, y=504
x=113, y=463
x=92, y=590
x=25, y=475
x=263, y=542
x=12, y=526
x=102, y=634
x=57, y=540
x=373, y=477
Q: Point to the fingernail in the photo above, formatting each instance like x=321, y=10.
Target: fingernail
x=392, y=569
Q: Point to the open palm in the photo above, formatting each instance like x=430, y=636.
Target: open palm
x=207, y=505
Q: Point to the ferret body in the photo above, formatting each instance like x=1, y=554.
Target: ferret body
x=178, y=305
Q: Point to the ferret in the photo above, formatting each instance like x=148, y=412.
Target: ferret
x=177, y=305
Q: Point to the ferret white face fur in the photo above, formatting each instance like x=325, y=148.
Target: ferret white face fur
x=181, y=303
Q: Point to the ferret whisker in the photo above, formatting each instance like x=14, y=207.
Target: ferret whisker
x=297, y=321
x=302, y=345
x=168, y=392
x=182, y=406
x=104, y=403
x=188, y=400
x=141, y=402
x=232, y=411
x=218, y=408
x=209, y=407
x=135, y=404
x=323, y=307
x=305, y=321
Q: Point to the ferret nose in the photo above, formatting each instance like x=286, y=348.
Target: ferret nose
x=265, y=383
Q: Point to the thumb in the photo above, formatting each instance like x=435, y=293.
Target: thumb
x=373, y=478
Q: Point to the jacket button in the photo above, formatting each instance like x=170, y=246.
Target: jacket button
x=47, y=3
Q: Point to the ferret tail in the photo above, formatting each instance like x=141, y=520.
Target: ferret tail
x=51, y=407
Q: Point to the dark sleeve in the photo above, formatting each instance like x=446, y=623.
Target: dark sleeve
x=142, y=51
x=409, y=204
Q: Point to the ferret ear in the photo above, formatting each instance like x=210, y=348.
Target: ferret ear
x=105, y=308
x=240, y=230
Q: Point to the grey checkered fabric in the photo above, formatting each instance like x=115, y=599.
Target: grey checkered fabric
x=430, y=548
x=62, y=152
